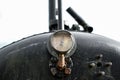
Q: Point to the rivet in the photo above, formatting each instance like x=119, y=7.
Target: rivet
x=53, y=59
x=91, y=65
x=99, y=56
x=53, y=71
x=67, y=71
x=108, y=64
x=100, y=73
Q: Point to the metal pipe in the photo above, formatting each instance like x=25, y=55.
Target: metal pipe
x=77, y=18
x=52, y=13
x=60, y=21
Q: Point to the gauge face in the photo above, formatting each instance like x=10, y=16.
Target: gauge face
x=62, y=41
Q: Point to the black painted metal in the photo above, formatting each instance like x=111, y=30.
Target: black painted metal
x=60, y=21
x=55, y=24
x=81, y=22
x=52, y=15
x=28, y=59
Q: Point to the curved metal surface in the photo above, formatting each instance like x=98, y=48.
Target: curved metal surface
x=28, y=59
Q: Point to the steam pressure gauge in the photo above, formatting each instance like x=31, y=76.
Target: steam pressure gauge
x=62, y=42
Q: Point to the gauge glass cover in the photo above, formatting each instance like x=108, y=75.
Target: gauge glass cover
x=62, y=41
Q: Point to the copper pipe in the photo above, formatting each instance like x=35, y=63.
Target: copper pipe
x=61, y=62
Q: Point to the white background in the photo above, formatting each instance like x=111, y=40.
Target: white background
x=22, y=18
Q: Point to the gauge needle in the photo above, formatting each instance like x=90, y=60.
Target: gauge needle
x=61, y=43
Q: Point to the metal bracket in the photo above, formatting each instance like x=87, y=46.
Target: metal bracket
x=60, y=71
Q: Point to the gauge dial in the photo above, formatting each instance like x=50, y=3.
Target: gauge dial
x=62, y=41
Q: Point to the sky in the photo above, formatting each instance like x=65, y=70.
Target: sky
x=22, y=18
